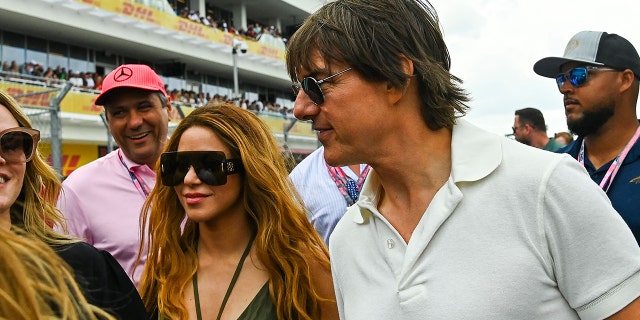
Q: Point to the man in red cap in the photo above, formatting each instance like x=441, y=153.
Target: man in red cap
x=102, y=199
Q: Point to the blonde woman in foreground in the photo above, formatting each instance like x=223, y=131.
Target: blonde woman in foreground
x=28, y=191
x=247, y=250
x=35, y=283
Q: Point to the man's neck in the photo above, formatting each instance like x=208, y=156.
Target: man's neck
x=355, y=168
x=539, y=140
x=604, y=145
x=410, y=182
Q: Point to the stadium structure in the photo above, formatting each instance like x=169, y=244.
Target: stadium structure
x=233, y=49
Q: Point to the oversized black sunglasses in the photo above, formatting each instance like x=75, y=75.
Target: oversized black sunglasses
x=18, y=145
x=312, y=88
x=212, y=167
x=578, y=76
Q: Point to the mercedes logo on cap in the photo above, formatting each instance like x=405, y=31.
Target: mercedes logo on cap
x=123, y=74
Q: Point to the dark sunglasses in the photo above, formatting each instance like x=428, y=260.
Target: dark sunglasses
x=578, y=76
x=212, y=167
x=311, y=87
x=18, y=145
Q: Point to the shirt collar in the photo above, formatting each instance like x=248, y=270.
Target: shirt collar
x=130, y=164
x=475, y=153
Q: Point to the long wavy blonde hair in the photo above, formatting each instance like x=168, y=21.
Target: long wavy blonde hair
x=35, y=283
x=285, y=242
x=35, y=209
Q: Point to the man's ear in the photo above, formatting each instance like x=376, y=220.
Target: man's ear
x=407, y=65
x=169, y=110
x=396, y=93
x=628, y=77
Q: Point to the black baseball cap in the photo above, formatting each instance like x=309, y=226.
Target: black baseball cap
x=596, y=48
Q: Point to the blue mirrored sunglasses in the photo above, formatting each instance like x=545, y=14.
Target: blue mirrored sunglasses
x=578, y=76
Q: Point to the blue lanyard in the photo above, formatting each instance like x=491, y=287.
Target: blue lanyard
x=137, y=180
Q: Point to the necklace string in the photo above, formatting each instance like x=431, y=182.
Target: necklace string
x=236, y=274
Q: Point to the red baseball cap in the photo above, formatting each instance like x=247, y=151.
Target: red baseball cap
x=138, y=76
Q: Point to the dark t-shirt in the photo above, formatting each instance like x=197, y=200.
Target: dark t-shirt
x=624, y=192
x=103, y=281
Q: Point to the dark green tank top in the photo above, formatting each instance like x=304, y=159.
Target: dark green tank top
x=261, y=307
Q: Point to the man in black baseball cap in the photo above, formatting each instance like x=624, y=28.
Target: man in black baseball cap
x=598, y=77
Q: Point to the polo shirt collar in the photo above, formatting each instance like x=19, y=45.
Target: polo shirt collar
x=475, y=153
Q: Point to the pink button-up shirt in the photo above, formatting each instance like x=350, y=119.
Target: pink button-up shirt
x=102, y=205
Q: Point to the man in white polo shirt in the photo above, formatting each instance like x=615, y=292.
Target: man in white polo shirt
x=452, y=222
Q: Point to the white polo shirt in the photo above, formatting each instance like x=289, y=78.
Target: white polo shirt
x=515, y=233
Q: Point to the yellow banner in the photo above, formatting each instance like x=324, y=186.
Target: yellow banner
x=172, y=22
x=83, y=103
x=73, y=155
x=74, y=102
x=33, y=95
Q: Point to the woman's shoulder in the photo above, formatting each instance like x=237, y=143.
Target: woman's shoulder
x=102, y=279
x=77, y=251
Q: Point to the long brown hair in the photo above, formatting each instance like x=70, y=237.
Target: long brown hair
x=35, y=283
x=367, y=36
x=285, y=242
x=35, y=209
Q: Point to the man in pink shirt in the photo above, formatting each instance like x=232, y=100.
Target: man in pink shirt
x=101, y=200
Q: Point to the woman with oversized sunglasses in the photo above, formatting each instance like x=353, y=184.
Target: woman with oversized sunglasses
x=227, y=234
x=28, y=191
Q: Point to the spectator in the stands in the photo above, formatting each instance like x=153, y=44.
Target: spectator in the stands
x=57, y=72
x=98, y=82
x=184, y=13
x=38, y=70
x=205, y=21
x=194, y=16
x=174, y=95
x=250, y=32
x=14, y=67
x=49, y=73
x=212, y=22
x=75, y=78
x=64, y=75
x=88, y=81
x=27, y=68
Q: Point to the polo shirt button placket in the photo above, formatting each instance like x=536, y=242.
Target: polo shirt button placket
x=390, y=243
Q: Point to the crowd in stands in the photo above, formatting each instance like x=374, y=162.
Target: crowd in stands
x=83, y=80
x=93, y=81
x=193, y=99
x=253, y=31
